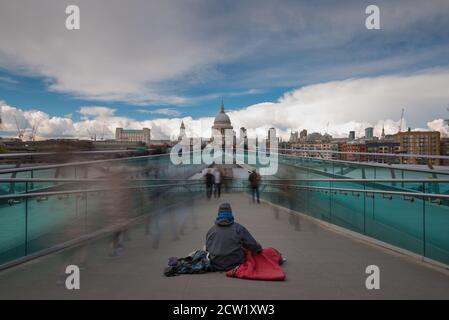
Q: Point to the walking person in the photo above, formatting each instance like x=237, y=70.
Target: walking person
x=254, y=181
x=217, y=182
x=115, y=209
x=209, y=179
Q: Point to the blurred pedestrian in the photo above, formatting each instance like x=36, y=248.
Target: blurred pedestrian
x=254, y=182
x=209, y=179
x=217, y=182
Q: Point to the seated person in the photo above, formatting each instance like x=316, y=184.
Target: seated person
x=226, y=241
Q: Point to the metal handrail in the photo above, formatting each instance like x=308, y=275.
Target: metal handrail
x=50, y=193
x=397, y=155
x=86, y=179
x=370, y=164
x=194, y=182
x=359, y=163
x=399, y=193
x=33, y=154
x=428, y=180
x=83, y=163
x=80, y=163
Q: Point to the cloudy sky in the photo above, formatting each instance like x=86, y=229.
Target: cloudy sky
x=288, y=64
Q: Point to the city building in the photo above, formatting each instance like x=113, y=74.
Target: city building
x=243, y=138
x=50, y=145
x=222, y=126
x=272, y=134
x=383, y=146
x=162, y=142
x=369, y=133
x=340, y=140
x=314, y=137
x=351, y=135
x=116, y=144
x=352, y=148
x=182, y=131
x=444, y=150
x=419, y=143
x=143, y=135
x=303, y=134
x=294, y=137
x=243, y=133
x=313, y=150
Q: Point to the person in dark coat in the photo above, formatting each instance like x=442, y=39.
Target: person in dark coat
x=254, y=182
x=209, y=179
x=227, y=240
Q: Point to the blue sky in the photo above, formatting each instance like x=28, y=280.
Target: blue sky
x=149, y=60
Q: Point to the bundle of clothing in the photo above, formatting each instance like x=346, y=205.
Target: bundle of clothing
x=257, y=266
x=196, y=262
x=265, y=265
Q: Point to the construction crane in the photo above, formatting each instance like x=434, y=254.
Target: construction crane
x=34, y=129
x=20, y=131
x=103, y=130
x=92, y=134
x=401, y=120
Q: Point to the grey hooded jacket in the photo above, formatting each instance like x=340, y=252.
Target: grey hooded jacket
x=226, y=242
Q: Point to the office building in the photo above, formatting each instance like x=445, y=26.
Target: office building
x=132, y=135
x=351, y=135
x=369, y=133
x=420, y=143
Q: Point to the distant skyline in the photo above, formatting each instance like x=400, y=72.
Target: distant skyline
x=288, y=64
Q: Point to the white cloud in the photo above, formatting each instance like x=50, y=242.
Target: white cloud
x=336, y=107
x=96, y=111
x=15, y=119
x=133, y=51
x=120, y=53
x=353, y=104
x=162, y=111
x=439, y=125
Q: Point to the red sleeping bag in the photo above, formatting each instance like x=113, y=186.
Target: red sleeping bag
x=262, y=266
